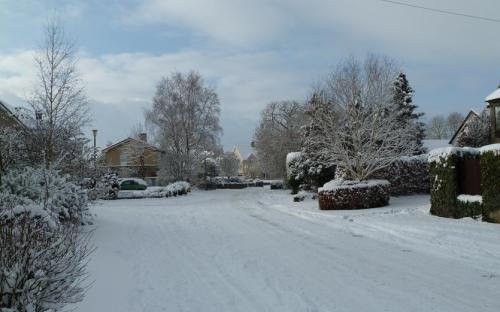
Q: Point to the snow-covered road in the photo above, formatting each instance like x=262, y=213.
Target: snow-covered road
x=255, y=250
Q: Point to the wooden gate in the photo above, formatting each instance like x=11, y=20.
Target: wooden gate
x=469, y=176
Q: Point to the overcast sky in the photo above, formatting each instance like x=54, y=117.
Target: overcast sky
x=252, y=52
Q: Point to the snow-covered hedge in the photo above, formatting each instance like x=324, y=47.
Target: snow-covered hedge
x=444, y=179
x=445, y=200
x=490, y=182
x=61, y=199
x=173, y=189
x=409, y=175
x=341, y=194
x=469, y=206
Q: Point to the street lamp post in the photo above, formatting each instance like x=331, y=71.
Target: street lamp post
x=94, y=132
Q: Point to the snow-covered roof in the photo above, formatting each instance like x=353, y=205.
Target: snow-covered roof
x=495, y=95
x=11, y=112
x=472, y=114
x=126, y=141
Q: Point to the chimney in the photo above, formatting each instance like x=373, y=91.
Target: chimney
x=143, y=137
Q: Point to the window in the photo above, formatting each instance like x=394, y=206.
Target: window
x=123, y=158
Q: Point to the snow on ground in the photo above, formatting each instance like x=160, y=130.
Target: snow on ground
x=256, y=250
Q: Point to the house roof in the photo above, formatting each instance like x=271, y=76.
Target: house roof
x=129, y=139
x=495, y=95
x=10, y=111
x=471, y=114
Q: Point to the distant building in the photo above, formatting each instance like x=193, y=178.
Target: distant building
x=239, y=155
x=134, y=157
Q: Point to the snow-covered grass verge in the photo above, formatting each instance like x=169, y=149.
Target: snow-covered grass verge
x=173, y=189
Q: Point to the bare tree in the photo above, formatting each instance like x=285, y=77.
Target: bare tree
x=229, y=164
x=185, y=114
x=454, y=121
x=357, y=126
x=437, y=128
x=278, y=134
x=12, y=149
x=59, y=107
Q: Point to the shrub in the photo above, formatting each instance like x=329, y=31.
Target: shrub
x=409, y=175
x=468, y=206
x=42, y=266
x=304, y=171
x=109, y=186
x=294, y=171
x=490, y=182
x=62, y=199
x=342, y=195
x=276, y=185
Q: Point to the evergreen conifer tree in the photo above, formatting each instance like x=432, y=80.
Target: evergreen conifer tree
x=403, y=101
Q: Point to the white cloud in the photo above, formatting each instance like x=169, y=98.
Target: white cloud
x=121, y=85
x=374, y=25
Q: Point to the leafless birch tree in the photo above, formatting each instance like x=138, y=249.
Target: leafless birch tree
x=59, y=105
x=185, y=114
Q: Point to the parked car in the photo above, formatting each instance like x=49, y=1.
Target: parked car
x=133, y=184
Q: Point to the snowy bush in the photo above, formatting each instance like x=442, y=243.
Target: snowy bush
x=109, y=186
x=63, y=200
x=341, y=194
x=294, y=171
x=173, y=189
x=408, y=175
x=42, y=267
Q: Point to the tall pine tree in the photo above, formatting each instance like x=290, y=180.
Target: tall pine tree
x=403, y=101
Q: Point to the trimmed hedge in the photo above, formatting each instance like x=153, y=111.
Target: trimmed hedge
x=490, y=184
x=466, y=209
x=347, y=195
x=409, y=175
x=444, y=186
